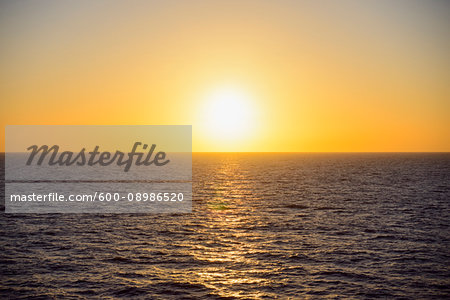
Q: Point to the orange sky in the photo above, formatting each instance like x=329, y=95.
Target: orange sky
x=317, y=75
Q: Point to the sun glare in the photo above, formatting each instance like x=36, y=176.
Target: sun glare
x=228, y=113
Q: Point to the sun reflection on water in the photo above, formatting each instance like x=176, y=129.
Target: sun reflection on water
x=232, y=244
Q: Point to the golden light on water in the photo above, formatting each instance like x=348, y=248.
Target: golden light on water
x=254, y=79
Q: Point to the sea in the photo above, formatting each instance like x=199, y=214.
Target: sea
x=262, y=226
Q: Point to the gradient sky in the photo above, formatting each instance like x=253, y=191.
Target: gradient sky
x=319, y=75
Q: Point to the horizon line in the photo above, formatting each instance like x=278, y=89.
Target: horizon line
x=302, y=152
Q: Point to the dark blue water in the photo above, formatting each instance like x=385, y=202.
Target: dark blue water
x=263, y=226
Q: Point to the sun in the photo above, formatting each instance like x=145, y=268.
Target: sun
x=228, y=113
